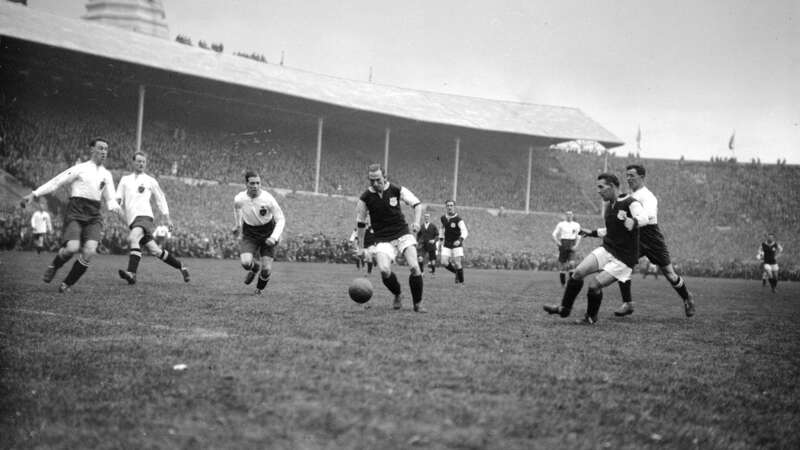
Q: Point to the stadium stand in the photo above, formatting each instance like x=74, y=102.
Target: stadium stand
x=713, y=213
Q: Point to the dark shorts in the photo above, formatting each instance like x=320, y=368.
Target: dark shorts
x=254, y=240
x=653, y=245
x=78, y=230
x=429, y=248
x=147, y=225
x=565, y=251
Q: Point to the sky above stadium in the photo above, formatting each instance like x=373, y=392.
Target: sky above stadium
x=688, y=74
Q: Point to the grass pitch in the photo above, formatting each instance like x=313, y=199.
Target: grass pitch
x=304, y=367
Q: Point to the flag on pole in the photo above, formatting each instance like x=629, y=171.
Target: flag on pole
x=639, y=138
x=731, y=141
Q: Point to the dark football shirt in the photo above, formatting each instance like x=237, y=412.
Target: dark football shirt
x=620, y=242
x=452, y=232
x=770, y=252
x=385, y=214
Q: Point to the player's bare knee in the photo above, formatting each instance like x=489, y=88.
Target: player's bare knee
x=153, y=248
x=72, y=247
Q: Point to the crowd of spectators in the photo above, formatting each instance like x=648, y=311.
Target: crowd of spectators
x=713, y=214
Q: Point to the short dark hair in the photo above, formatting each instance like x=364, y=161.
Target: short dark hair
x=450, y=201
x=609, y=178
x=638, y=168
x=376, y=167
x=139, y=153
x=249, y=174
x=94, y=141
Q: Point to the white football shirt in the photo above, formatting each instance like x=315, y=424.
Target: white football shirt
x=259, y=211
x=567, y=230
x=134, y=193
x=88, y=180
x=649, y=203
x=40, y=222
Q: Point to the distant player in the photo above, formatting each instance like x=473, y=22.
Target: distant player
x=133, y=193
x=648, y=268
x=42, y=225
x=369, y=248
x=567, y=237
x=381, y=203
x=452, y=235
x=651, y=244
x=90, y=182
x=260, y=222
x=427, y=237
x=359, y=259
x=768, y=254
x=614, y=260
x=161, y=234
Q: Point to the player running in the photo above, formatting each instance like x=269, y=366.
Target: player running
x=381, y=202
x=451, y=237
x=768, y=254
x=90, y=182
x=133, y=193
x=651, y=244
x=260, y=222
x=567, y=237
x=614, y=260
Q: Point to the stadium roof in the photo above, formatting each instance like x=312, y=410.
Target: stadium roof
x=551, y=123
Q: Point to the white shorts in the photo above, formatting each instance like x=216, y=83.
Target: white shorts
x=771, y=268
x=396, y=246
x=608, y=263
x=452, y=252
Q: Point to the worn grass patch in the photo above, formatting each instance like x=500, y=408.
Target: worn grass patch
x=304, y=367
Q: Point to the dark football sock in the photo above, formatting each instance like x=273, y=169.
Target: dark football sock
x=562, y=277
x=415, y=284
x=59, y=260
x=460, y=275
x=169, y=259
x=391, y=283
x=625, y=291
x=450, y=268
x=773, y=283
x=78, y=269
x=369, y=267
x=432, y=267
x=680, y=288
x=593, y=300
x=134, y=257
x=263, y=279
x=570, y=293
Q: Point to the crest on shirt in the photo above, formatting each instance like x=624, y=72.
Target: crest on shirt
x=393, y=201
x=452, y=225
x=141, y=189
x=263, y=211
x=102, y=185
x=622, y=215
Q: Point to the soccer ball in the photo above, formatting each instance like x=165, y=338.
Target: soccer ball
x=360, y=290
